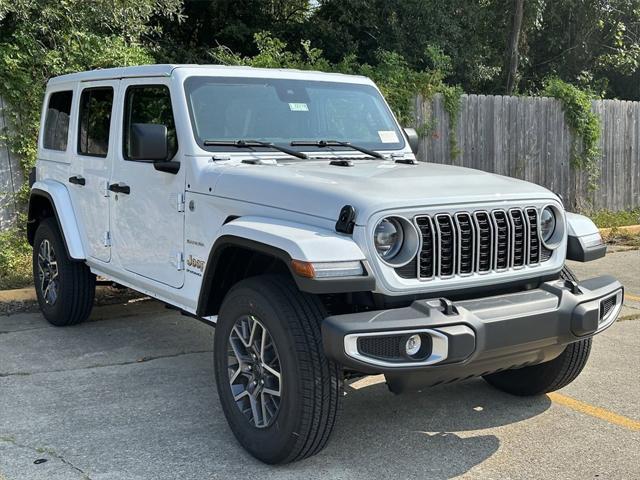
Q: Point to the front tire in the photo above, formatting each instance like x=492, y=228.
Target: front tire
x=548, y=376
x=279, y=392
x=65, y=288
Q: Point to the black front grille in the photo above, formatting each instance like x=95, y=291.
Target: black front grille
x=387, y=348
x=476, y=242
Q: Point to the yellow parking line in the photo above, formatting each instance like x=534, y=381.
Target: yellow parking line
x=594, y=411
x=633, y=298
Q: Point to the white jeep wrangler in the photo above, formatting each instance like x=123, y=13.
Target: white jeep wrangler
x=287, y=208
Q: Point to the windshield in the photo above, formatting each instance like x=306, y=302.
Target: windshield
x=284, y=111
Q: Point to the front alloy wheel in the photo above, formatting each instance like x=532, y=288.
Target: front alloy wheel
x=278, y=390
x=254, y=371
x=65, y=288
x=48, y=272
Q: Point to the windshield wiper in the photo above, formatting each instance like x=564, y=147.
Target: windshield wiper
x=251, y=144
x=334, y=143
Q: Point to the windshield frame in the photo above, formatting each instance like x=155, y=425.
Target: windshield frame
x=188, y=81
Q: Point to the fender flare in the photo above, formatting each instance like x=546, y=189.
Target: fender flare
x=287, y=241
x=582, y=239
x=58, y=196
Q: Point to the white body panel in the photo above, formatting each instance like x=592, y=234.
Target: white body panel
x=290, y=204
x=148, y=224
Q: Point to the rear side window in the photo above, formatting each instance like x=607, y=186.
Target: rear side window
x=56, y=122
x=95, y=121
x=149, y=104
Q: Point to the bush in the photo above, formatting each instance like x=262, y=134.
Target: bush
x=607, y=218
x=15, y=260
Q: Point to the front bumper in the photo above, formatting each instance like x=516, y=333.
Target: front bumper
x=472, y=337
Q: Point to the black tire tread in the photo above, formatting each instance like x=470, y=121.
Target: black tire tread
x=77, y=292
x=549, y=376
x=321, y=379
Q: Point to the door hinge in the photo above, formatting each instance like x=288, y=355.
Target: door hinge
x=181, y=201
x=107, y=239
x=179, y=261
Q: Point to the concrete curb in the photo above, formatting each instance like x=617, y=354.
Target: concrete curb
x=18, y=295
x=29, y=294
x=627, y=229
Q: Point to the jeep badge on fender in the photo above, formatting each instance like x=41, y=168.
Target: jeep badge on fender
x=324, y=249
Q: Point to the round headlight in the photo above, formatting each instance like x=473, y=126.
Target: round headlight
x=388, y=238
x=547, y=224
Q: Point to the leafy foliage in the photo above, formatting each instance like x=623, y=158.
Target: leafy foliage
x=40, y=39
x=584, y=123
x=15, y=260
x=607, y=218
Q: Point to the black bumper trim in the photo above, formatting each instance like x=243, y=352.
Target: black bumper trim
x=510, y=330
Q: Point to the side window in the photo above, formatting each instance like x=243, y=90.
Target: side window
x=56, y=122
x=150, y=104
x=95, y=120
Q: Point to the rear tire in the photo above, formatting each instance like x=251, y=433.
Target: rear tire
x=549, y=376
x=65, y=288
x=301, y=418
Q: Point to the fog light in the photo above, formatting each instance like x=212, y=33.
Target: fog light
x=412, y=345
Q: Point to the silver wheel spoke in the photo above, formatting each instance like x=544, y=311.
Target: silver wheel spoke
x=271, y=392
x=253, y=365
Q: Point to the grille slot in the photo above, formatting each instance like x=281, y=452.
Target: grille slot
x=518, y=229
x=427, y=255
x=464, y=228
x=446, y=245
x=502, y=240
x=534, y=238
x=485, y=241
x=468, y=243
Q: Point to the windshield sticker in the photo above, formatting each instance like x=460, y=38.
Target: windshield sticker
x=388, y=136
x=298, y=107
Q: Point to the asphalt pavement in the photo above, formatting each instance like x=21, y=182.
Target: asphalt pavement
x=130, y=395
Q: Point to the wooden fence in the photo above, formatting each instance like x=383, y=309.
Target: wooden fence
x=528, y=138
x=10, y=178
x=522, y=137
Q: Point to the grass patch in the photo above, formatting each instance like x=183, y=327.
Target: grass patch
x=15, y=260
x=608, y=219
x=618, y=237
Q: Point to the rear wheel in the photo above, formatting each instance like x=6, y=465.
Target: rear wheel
x=278, y=391
x=65, y=288
x=549, y=376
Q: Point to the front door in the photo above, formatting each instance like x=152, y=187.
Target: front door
x=147, y=210
x=91, y=165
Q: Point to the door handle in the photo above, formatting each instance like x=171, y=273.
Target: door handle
x=120, y=188
x=77, y=180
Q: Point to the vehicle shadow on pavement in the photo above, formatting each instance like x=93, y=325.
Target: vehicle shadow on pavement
x=436, y=433
x=133, y=396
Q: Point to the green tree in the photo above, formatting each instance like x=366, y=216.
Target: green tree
x=40, y=39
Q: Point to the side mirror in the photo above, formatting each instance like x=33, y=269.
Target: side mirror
x=148, y=142
x=413, y=138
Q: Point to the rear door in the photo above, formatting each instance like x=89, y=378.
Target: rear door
x=91, y=165
x=148, y=222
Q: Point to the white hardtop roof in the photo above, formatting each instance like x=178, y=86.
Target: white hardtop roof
x=167, y=70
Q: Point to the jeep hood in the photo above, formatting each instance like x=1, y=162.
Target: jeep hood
x=319, y=189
